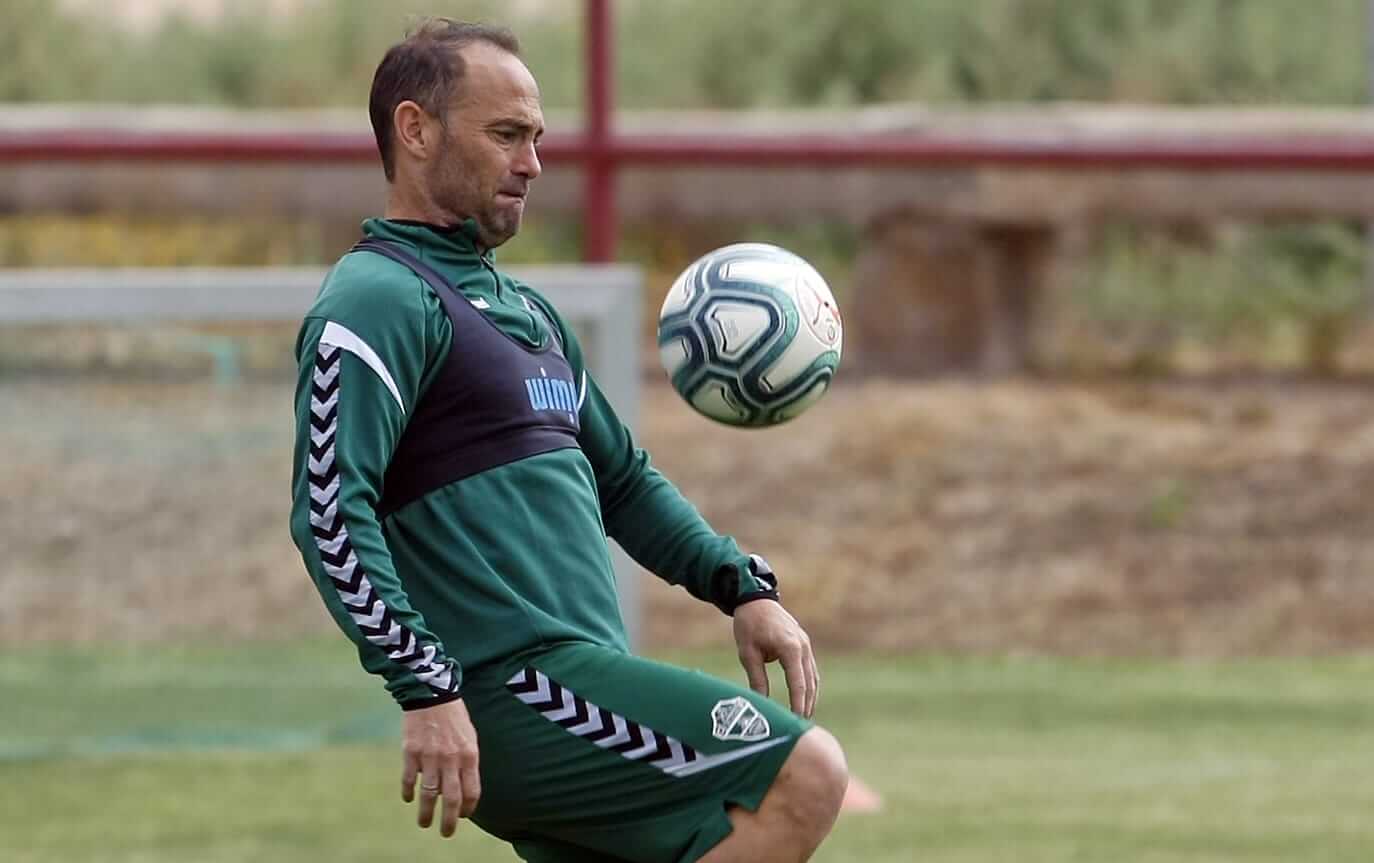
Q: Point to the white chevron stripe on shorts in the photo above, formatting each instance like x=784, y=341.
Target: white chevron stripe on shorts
x=608, y=730
x=706, y=762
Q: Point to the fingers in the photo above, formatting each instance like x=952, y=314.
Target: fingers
x=453, y=799
x=754, y=669
x=410, y=766
x=797, y=690
x=440, y=752
x=472, y=788
x=813, y=681
x=457, y=785
x=430, y=787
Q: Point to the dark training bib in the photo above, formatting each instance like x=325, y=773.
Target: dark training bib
x=495, y=400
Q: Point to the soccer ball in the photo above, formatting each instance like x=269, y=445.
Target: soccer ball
x=750, y=335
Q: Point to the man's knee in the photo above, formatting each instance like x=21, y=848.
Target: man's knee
x=814, y=778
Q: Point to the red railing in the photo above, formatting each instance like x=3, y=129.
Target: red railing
x=601, y=152
x=900, y=149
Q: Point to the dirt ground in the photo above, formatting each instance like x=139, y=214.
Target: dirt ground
x=1120, y=518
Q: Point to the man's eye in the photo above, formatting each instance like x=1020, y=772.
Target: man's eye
x=506, y=136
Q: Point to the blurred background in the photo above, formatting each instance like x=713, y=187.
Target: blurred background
x=1083, y=532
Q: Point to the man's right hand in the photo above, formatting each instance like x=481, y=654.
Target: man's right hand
x=439, y=745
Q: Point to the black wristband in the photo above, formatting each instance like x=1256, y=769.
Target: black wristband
x=751, y=597
x=763, y=574
x=431, y=702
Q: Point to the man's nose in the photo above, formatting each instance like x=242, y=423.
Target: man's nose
x=527, y=162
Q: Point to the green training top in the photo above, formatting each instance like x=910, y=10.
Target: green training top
x=502, y=561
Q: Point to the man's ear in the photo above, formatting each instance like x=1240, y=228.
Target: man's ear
x=414, y=130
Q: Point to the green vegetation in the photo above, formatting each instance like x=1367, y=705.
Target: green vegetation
x=978, y=759
x=1280, y=296
x=768, y=52
x=1143, y=299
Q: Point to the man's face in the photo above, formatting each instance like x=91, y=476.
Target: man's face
x=488, y=157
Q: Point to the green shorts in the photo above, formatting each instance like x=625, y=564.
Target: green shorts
x=590, y=754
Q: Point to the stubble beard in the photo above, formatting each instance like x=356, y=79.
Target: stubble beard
x=447, y=192
x=496, y=226
x=457, y=199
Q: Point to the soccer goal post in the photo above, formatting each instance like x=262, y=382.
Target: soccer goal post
x=602, y=302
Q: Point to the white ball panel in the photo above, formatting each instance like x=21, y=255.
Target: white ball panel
x=808, y=299
x=799, y=406
x=768, y=271
x=714, y=399
x=762, y=250
x=680, y=294
x=674, y=355
x=797, y=358
x=736, y=327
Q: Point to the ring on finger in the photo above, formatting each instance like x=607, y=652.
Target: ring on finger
x=430, y=789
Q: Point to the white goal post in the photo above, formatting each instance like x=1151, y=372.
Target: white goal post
x=601, y=302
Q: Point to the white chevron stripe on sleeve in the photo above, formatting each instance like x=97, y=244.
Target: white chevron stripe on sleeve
x=540, y=694
x=427, y=654
x=621, y=735
x=569, y=709
x=326, y=494
x=324, y=378
x=437, y=677
x=373, y=618
x=321, y=409
x=364, y=591
x=390, y=638
x=342, y=573
x=332, y=546
x=338, y=334
x=397, y=641
x=591, y=726
x=325, y=519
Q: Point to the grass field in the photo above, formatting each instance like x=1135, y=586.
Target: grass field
x=287, y=753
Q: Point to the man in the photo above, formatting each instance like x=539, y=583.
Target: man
x=456, y=475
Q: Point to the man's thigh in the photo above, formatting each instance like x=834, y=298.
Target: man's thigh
x=589, y=748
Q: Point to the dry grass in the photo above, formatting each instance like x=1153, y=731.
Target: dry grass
x=1116, y=518
x=1112, y=518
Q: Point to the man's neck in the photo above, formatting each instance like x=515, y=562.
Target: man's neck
x=443, y=220
x=409, y=202
x=401, y=208
x=405, y=212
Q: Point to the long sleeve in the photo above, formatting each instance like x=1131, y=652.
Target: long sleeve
x=364, y=353
x=644, y=511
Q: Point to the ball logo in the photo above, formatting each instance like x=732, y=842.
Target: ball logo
x=737, y=719
x=821, y=314
x=828, y=327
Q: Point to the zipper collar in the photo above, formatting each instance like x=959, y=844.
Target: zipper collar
x=452, y=241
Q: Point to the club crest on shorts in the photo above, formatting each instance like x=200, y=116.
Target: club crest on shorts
x=737, y=719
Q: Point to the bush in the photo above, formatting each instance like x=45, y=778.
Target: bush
x=685, y=53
